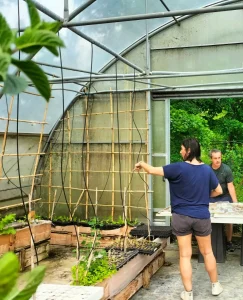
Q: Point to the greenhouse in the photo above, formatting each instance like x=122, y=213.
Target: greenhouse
x=123, y=78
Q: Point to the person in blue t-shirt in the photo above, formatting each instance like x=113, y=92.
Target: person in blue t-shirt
x=192, y=183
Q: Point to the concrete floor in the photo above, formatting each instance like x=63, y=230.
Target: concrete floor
x=166, y=283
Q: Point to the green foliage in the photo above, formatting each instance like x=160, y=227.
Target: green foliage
x=99, y=270
x=9, y=270
x=184, y=125
x=61, y=219
x=5, y=222
x=218, y=124
x=39, y=34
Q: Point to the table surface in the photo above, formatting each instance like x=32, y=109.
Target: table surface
x=221, y=212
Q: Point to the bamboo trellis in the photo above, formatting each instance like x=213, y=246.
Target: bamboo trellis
x=130, y=151
x=33, y=175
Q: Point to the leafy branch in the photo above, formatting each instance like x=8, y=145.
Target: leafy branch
x=39, y=34
x=9, y=269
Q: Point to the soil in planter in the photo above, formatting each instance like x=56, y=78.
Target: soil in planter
x=143, y=246
x=93, y=222
x=120, y=258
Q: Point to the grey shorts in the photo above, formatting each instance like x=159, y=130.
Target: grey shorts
x=184, y=225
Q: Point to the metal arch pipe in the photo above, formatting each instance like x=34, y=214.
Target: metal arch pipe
x=152, y=75
x=156, y=15
x=80, y=9
x=84, y=36
x=103, y=47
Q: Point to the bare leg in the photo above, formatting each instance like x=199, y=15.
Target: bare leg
x=205, y=247
x=185, y=250
x=229, y=232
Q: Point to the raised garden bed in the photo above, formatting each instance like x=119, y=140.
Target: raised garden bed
x=20, y=241
x=143, y=246
x=120, y=258
x=66, y=235
x=133, y=275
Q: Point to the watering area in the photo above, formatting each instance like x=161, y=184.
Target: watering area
x=166, y=283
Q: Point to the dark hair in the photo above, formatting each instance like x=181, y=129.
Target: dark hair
x=195, y=150
x=214, y=151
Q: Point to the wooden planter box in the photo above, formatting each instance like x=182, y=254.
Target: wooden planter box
x=24, y=254
x=66, y=235
x=22, y=238
x=133, y=275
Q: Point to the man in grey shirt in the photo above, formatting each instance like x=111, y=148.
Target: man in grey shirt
x=225, y=177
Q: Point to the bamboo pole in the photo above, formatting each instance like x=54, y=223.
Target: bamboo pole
x=77, y=204
x=77, y=246
x=50, y=182
x=87, y=159
x=102, y=152
x=23, y=154
x=30, y=93
x=146, y=201
x=125, y=219
x=24, y=121
x=91, y=255
x=5, y=135
x=146, y=187
x=108, y=128
x=53, y=204
x=38, y=151
x=130, y=155
x=107, y=113
x=96, y=202
x=22, y=176
x=93, y=171
x=100, y=205
x=93, y=190
x=32, y=248
x=70, y=163
x=113, y=157
x=19, y=204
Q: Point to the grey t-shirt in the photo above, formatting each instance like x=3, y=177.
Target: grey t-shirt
x=225, y=176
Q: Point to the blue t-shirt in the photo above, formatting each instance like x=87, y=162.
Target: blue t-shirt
x=190, y=188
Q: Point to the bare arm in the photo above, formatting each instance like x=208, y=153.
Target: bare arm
x=218, y=191
x=232, y=192
x=149, y=169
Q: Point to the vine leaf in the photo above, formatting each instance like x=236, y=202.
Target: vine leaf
x=6, y=34
x=9, y=267
x=33, y=13
x=36, y=75
x=32, y=39
x=5, y=60
x=14, y=85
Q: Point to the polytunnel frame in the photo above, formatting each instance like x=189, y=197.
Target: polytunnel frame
x=146, y=74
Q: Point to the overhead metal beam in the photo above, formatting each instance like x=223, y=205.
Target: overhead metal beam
x=167, y=8
x=65, y=68
x=80, y=9
x=118, y=56
x=47, y=11
x=156, y=15
x=86, y=37
x=153, y=75
x=66, y=11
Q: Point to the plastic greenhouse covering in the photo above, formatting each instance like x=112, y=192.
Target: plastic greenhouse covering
x=78, y=51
